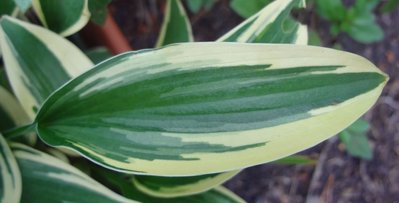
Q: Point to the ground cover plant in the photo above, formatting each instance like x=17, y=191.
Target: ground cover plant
x=168, y=124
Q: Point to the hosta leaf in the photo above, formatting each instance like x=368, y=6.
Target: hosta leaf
x=180, y=186
x=8, y=7
x=10, y=177
x=47, y=179
x=199, y=108
x=12, y=114
x=4, y=80
x=176, y=25
x=37, y=61
x=63, y=17
x=273, y=24
x=124, y=186
x=216, y=195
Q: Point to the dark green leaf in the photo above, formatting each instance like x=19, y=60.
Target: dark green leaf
x=63, y=17
x=98, y=54
x=4, y=80
x=10, y=176
x=7, y=7
x=296, y=159
x=167, y=187
x=124, y=185
x=332, y=10
x=47, y=179
x=98, y=10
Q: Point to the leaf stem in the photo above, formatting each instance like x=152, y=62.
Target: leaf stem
x=19, y=131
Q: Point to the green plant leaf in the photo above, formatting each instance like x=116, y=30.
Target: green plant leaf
x=23, y=4
x=364, y=29
x=8, y=7
x=13, y=115
x=63, y=17
x=128, y=189
x=47, y=179
x=314, y=39
x=196, y=5
x=176, y=26
x=4, y=80
x=37, y=61
x=168, y=187
x=363, y=26
x=192, y=107
x=355, y=140
x=273, y=24
x=332, y=10
x=296, y=159
x=98, y=54
x=98, y=10
x=246, y=8
x=9, y=111
x=10, y=177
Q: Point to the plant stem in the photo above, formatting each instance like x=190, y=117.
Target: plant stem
x=19, y=131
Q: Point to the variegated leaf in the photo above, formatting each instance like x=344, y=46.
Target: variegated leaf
x=176, y=26
x=10, y=177
x=63, y=17
x=37, y=61
x=162, y=188
x=200, y=108
x=216, y=195
x=12, y=114
x=47, y=179
x=127, y=189
x=168, y=187
x=273, y=24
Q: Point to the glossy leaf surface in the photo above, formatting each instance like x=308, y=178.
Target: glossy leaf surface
x=8, y=7
x=47, y=179
x=180, y=186
x=63, y=17
x=10, y=177
x=200, y=108
x=37, y=61
x=176, y=25
x=273, y=24
x=122, y=184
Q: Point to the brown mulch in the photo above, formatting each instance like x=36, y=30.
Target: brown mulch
x=337, y=177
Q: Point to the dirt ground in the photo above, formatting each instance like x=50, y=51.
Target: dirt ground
x=337, y=177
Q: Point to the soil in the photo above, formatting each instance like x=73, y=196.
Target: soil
x=337, y=177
